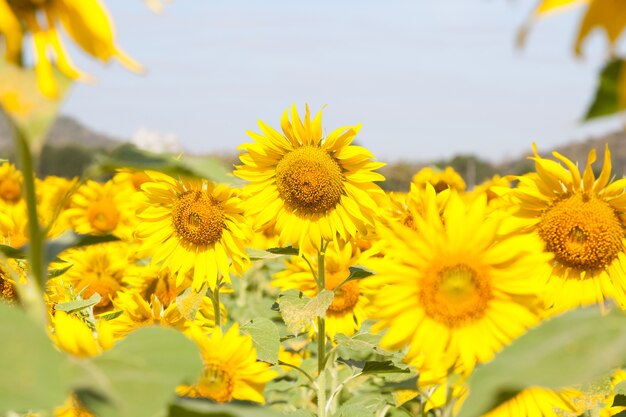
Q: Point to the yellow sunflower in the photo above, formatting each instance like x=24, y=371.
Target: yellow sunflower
x=581, y=220
x=10, y=184
x=403, y=208
x=231, y=370
x=101, y=209
x=72, y=408
x=193, y=225
x=452, y=289
x=314, y=188
x=85, y=21
x=440, y=180
x=540, y=402
x=53, y=200
x=349, y=307
x=74, y=336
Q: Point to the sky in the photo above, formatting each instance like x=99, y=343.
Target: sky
x=427, y=79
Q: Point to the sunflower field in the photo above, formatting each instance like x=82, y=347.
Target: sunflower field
x=292, y=284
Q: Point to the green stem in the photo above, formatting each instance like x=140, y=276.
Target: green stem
x=33, y=297
x=216, y=304
x=321, y=339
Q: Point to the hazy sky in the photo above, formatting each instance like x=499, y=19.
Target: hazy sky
x=426, y=78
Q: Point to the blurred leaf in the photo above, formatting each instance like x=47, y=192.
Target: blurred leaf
x=609, y=98
x=36, y=374
x=374, y=367
x=13, y=253
x=554, y=354
x=265, y=337
x=189, y=301
x=407, y=384
x=188, y=407
x=299, y=311
x=354, y=410
x=287, y=250
x=619, y=400
x=53, y=273
x=358, y=273
x=139, y=375
x=25, y=106
x=72, y=240
x=77, y=305
x=129, y=156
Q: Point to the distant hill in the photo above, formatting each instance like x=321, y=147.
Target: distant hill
x=65, y=131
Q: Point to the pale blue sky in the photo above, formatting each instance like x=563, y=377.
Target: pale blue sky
x=426, y=78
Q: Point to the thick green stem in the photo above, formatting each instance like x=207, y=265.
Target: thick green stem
x=321, y=340
x=32, y=297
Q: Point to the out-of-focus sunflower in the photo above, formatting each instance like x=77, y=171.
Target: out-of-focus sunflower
x=440, y=180
x=314, y=188
x=231, y=370
x=10, y=184
x=537, y=401
x=72, y=408
x=581, y=220
x=53, y=200
x=74, y=336
x=403, y=208
x=101, y=209
x=453, y=289
x=14, y=225
x=349, y=307
x=85, y=21
x=194, y=225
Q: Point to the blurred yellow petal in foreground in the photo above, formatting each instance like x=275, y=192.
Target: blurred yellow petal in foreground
x=86, y=21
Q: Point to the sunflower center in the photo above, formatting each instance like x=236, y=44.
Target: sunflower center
x=347, y=296
x=455, y=295
x=583, y=232
x=103, y=215
x=216, y=383
x=198, y=218
x=7, y=290
x=309, y=181
x=10, y=190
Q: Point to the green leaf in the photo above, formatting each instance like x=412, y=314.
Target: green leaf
x=129, y=156
x=358, y=273
x=265, y=337
x=620, y=389
x=13, y=253
x=554, y=354
x=619, y=400
x=139, y=375
x=607, y=99
x=298, y=310
x=58, y=272
x=374, y=367
x=287, y=250
x=77, y=305
x=354, y=410
x=36, y=376
x=72, y=240
x=189, y=301
x=410, y=383
x=186, y=407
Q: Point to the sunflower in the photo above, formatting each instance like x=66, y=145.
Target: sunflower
x=453, y=290
x=581, y=220
x=102, y=209
x=193, y=225
x=10, y=184
x=53, y=200
x=314, y=188
x=440, y=180
x=72, y=408
x=74, y=336
x=349, y=306
x=231, y=371
x=85, y=21
x=538, y=401
x=403, y=208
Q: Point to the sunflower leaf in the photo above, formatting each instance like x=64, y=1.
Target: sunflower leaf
x=13, y=253
x=189, y=302
x=357, y=272
x=287, y=250
x=58, y=272
x=537, y=358
x=265, y=337
x=354, y=410
x=139, y=375
x=36, y=376
x=298, y=310
x=77, y=305
x=609, y=98
x=187, y=407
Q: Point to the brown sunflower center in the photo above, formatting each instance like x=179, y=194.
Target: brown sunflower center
x=103, y=215
x=27, y=5
x=216, y=383
x=455, y=295
x=198, y=218
x=309, y=181
x=7, y=290
x=10, y=190
x=583, y=232
x=347, y=296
